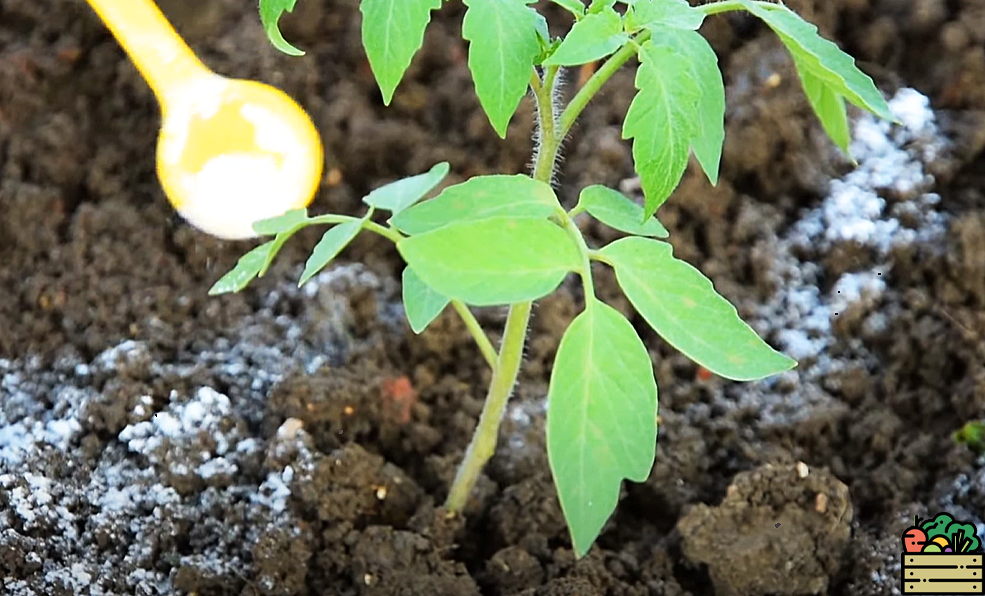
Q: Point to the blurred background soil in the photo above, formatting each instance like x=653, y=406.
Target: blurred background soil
x=285, y=441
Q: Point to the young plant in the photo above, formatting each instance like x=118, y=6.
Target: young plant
x=506, y=239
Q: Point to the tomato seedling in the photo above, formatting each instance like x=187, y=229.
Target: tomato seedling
x=506, y=239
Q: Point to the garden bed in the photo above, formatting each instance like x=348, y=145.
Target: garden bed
x=154, y=440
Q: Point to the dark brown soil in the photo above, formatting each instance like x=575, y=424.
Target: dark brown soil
x=155, y=440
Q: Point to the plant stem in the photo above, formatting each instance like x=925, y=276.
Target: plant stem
x=390, y=234
x=507, y=366
x=592, y=86
x=549, y=140
x=719, y=7
x=586, y=264
x=483, y=443
x=485, y=346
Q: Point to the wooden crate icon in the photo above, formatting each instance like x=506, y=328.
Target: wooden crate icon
x=942, y=573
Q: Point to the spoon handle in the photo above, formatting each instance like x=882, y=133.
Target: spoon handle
x=162, y=57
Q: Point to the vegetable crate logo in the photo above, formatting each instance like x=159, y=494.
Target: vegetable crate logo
x=942, y=556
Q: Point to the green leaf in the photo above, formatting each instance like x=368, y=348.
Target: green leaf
x=682, y=306
x=597, y=6
x=493, y=261
x=397, y=196
x=503, y=44
x=393, y=31
x=330, y=245
x=710, y=137
x=270, y=13
x=667, y=13
x=822, y=58
x=278, y=242
x=601, y=418
x=615, y=210
x=593, y=37
x=282, y=223
x=421, y=303
x=575, y=7
x=662, y=121
x=829, y=107
x=480, y=198
x=246, y=270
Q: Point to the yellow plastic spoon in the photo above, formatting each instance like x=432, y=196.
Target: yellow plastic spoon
x=230, y=152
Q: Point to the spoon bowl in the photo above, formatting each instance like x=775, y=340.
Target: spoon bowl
x=230, y=152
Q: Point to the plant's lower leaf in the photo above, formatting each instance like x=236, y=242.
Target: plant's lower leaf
x=421, y=303
x=683, y=307
x=330, y=245
x=501, y=260
x=601, y=418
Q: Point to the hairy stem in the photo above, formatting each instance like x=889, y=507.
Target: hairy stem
x=507, y=366
x=483, y=443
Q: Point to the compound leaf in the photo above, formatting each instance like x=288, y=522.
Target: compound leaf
x=246, y=270
x=330, y=245
x=682, y=306
x=822, y=58
x=710, y=137
x=501, y=260
x=614, y=209
x=270, y=13
x=393, y=31
x=282, y=223
x=593, y=37
x=666, y=13
x=421, y=303
x=503, y=44
x=662, y=121
x=398, y=195
x=480, y=198
x=601, y=418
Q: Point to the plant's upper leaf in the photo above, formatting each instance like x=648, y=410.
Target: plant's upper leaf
x=401, y=194
x=270, y=13
x=282, y=223
x=503, y=44
x=710, y=137
x=662, y=121
x=479, y=198
x=421, y=303
x=575, y=7
x=829, y=107
x=246, y=270
x=393, y=31
x=601, y=418
x=683, y=307
x=663, y=13
x=330, y=245
x=593, y=37
x=501, y=260
x=614, y=209
x=597, y=6
x=821, y=58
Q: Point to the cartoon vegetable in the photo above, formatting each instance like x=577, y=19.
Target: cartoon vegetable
x=963, y=536
x=914, y=539
x=937, y=526
x=942, y=532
